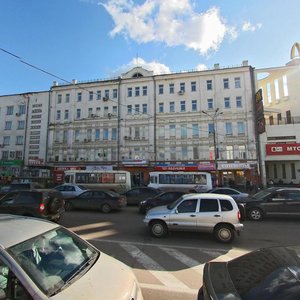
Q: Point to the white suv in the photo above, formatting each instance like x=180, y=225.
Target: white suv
x=215, y=213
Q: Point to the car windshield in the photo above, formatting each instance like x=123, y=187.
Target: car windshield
x=82, y=187
x=173, y=204
x=54, y=259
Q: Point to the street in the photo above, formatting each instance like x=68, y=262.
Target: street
x=171, y=267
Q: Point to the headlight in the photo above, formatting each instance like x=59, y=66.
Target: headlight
x=143, y=202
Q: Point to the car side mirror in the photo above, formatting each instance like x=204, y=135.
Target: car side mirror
x=176, y=211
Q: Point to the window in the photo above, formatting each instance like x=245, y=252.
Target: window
x=129, y=109
x=225, y=205
x=67, y=98
x=193, y=86
x=227, y=102
x=161, y=107
x=241, y=128
x=105, y=134
x=66, y=114
x=209, y=85
x=97, y=134
x=145, y=108
x=293, y=171
x=288, y=117
x=106, y=94
x=114, y=134
x=242, y=152
x=269, y=94
x=211, y=128
x=137, y=109
x=283, y=171
x=6, y=140
x=184, y=153
x=226, y=83
x=8, y=125
x=182, y=106
x=21, y=124
x=77, y=134
x=237, y=82
x=115, y=110
x=194, y=105
x=90, y=112
x=129, y=92
x=65, y=136
x=79, y=97
x=161, y=89
x=105, y=111
x=115, y=93
x=9, y=110
x=238, y=102
x=195, y=130
x=210, y=103
x=187, y=206
x=58, y=115
x=172, y=106
x=91, y=95
x=228, y=127
x=78, y=113
x=145, y=91
x=98, y=95
x=137, y=91
x=276, y=85
x=161, y=132
x=285, y=86
x=195, y=152
x=209, y=205
x=59, y=97
x=172, y=129
x=20, y=140
x=22, y=109
x=229, y=152
x=182, y=87
x=183, y=130
x=171, y=88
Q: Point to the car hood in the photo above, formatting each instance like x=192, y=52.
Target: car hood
x=158, y=210
x=107, y=279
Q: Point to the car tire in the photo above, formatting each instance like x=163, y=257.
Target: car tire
x=255, y=214
x=68, y=206
x=158, y=229
x=106, y=208
x=224, y=233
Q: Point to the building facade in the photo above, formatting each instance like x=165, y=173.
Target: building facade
x=280, y=143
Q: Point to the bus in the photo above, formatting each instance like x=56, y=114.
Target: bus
x=186, y=181
x=118, y=181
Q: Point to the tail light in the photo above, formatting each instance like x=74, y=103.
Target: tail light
x=42, y=207
x=239, y=215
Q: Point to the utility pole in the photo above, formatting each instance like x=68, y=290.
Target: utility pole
x=216, y=152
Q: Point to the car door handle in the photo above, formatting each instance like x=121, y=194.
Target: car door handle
x=192, y=216
x=217, y=216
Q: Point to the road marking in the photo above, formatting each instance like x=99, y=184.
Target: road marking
x=161, y=274
x=167, y=289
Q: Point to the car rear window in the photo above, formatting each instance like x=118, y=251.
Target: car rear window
x=226, y=205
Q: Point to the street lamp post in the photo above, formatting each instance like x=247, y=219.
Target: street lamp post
x=216, y=152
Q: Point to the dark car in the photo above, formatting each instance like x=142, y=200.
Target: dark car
x=268, y=273
x=41, y=203
x=163, y=198
x=105, y=201
x=137, y=194
x=274, y=201
x=18, y=186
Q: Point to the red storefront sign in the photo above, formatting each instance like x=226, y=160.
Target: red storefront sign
x=283, y=149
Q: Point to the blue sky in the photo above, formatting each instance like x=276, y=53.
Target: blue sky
x=91, y=39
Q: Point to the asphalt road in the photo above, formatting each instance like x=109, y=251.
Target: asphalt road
x=171, y=268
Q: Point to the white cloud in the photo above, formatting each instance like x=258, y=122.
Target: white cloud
x=247, y=26
x=201, y=67
x=173, y=22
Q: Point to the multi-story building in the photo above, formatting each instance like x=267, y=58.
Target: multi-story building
x=23, y=134
x=280, y=143
x=200, y=120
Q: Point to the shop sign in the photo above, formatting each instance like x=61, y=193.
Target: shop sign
x=206, y=166
x=11, y=163
x=36, y=162
x=234, y=166
x=283, y=149
x=65, y=168
x=176, y=167
x=99, y=168
x=135, y=162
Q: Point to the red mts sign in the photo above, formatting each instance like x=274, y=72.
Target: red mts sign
x=283, y=149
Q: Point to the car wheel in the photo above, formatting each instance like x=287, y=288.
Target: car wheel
x=224, y=233
x=106, y=208
x=158, y=229
x=255, y=214
x=68, y=206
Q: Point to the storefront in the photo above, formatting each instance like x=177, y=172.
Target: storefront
x=139, y=169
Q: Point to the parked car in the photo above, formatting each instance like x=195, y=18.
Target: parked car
x=218, y=214
x=105, y=201
x=268, y=273
x=70, y=190
x=41, y=203
x=42, y=260
x=235, y=194
x=18, y=186
x=135, y=195
x=274, y=201
x=162, y=198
